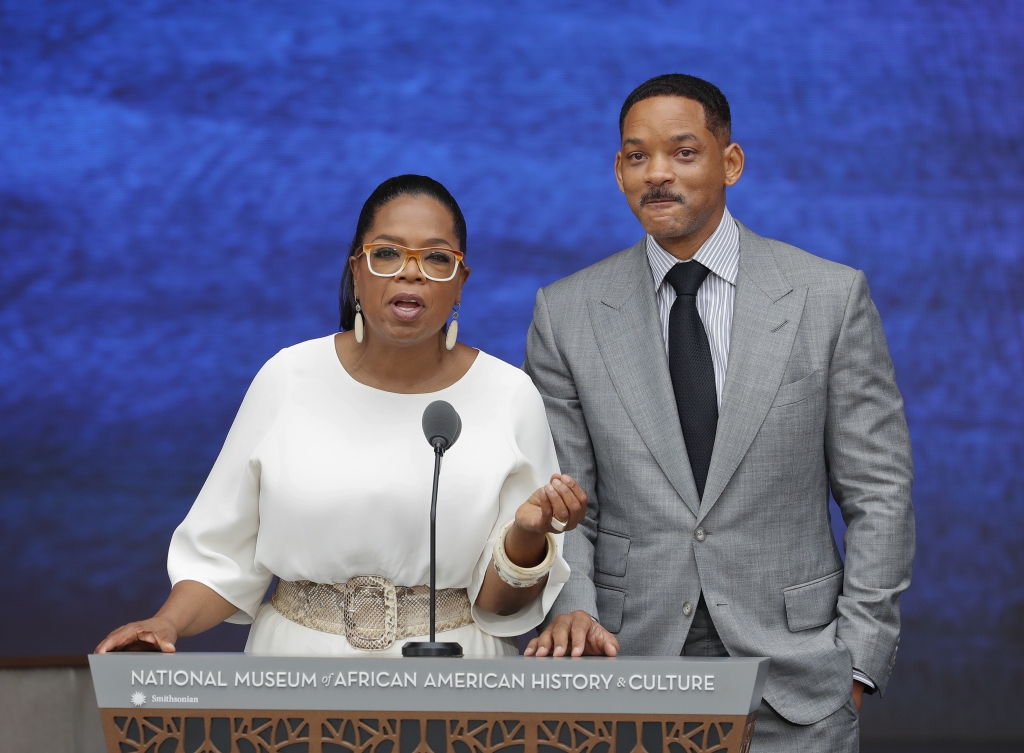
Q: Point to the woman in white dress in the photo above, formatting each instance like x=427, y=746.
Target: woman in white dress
x=325, y=477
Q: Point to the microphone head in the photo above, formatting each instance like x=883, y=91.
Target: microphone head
x=441, y=425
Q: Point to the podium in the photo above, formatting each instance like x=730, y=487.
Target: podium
x=228, y=703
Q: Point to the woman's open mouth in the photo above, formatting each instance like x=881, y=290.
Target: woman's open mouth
x=407, y=306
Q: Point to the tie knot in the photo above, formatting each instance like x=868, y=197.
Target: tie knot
x=686, y=277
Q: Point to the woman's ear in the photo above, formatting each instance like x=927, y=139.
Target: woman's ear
x=357, y=270
x=465, y=276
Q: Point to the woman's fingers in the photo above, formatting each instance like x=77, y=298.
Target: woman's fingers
x=557, y=506
x=141, y=644
x=137, y=636
x=546, y=510
x=559, y=511
x=105, y=645
x=575, y=508
x=157, y=640
x=165, y=645
x=117, y=639
x=534, y=513
x=577, y=490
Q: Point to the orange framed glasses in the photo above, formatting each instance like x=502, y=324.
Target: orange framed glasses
x=389, y=259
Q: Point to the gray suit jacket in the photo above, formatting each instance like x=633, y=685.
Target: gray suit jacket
x=810, y=405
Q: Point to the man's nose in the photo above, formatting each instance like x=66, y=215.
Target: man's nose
x=659, y=171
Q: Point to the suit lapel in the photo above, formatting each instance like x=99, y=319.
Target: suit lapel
x=628, y=331
x=765, y=320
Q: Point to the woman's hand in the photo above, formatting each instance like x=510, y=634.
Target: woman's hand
x=154, y=634
x=191, y=608
x=562, y=501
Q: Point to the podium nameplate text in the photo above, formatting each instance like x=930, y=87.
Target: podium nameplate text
x=228, y=703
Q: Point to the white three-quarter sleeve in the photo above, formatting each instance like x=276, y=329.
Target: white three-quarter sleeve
x=216, y=543
x=530, y=439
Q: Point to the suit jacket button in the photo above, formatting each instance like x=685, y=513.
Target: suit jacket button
x=700, y=534
x=687, y=609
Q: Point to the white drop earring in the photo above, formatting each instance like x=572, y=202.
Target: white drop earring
x=453, y=329
x=358, y=322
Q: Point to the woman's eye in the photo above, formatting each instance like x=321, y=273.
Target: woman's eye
x=439, y=257
x=385, y=253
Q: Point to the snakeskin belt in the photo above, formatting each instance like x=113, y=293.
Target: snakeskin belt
x=369, y=610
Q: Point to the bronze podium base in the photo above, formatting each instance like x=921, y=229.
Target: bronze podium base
x=206, y=731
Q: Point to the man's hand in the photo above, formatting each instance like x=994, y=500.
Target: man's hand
x=858, y=693
x=579, y=633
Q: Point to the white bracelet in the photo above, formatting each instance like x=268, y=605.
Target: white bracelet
x=513, y=574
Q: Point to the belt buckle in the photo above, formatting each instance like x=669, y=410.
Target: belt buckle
x=371, y=612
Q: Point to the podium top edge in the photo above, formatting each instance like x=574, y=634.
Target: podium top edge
x=475, y=657
x=147, y=655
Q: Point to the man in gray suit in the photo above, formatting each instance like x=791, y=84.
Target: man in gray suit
x=708, y=388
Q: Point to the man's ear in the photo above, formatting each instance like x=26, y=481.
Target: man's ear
x=733, y=160
x=618, y=170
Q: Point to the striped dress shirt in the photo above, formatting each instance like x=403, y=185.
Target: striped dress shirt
x=716, y=295
x=716, y=298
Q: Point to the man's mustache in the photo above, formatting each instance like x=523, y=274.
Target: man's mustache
x=661, y=194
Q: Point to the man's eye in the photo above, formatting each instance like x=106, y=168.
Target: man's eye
x=686, y=152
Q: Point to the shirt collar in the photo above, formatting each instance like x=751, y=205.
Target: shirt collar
x=720, y=253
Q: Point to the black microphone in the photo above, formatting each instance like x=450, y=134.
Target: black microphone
x=441, y=427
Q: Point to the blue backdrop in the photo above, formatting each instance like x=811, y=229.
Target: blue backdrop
x=179, y=182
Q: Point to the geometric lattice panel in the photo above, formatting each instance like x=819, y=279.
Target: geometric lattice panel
x=135, y=731
x=212, y=734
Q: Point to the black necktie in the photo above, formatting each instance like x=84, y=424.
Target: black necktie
x=693, y=372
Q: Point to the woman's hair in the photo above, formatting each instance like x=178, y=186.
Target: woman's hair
x=385, y=193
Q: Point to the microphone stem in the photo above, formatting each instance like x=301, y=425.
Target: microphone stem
x=438, y=453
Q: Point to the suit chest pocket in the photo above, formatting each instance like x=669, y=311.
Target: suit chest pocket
x=610, y=553
x=801, y=389
x=813, y=604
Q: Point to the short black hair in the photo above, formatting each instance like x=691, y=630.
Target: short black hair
x=717, y=116
x=385, y=193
